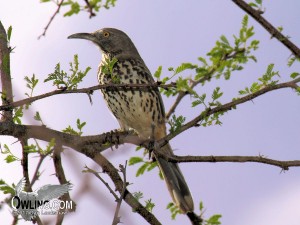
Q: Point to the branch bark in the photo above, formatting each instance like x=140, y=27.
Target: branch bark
x=284, y=165
x=6, y=93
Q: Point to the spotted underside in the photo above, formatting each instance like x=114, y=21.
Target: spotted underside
x=139, y=109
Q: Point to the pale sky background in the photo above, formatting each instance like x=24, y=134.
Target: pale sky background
x=167, y=33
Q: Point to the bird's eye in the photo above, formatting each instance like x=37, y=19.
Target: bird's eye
x=105, y=34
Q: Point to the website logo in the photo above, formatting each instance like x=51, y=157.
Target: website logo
x=42, y=201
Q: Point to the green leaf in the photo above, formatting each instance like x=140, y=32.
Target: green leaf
x=80, y=125
x=203, y=60
x=216, y=93
x=252, y=4
x=183, y=67
x=294, y=75
x=18, y=114
x=70, y=130
x=149, y=205
x=138, y=195
x=9, y=31
x=134, y=160
x=173, y=209
x=245, y=22
x=10, y=158
x=49, y=147
x=152, y=165
x=255, y=87
x=158, y=72
x=225, y=40
x=70, y=82
x=141, y=170
x=270, y=68
x=37, y=116
x=214, y=220
x=176, y=123
x=201, y=206
x=199, y=100
x=5, y=188
x=75, y=9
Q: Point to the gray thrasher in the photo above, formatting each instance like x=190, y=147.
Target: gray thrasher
x=138, y=109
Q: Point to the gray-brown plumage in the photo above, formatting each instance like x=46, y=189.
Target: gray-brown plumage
x=138, y=109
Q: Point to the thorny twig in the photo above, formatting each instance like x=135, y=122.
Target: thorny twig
x=116, y=219
x=52, y=18
x=257, y=15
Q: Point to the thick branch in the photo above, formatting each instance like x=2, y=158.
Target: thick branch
x=89, y=146
x=268, y=26
x=6, y=93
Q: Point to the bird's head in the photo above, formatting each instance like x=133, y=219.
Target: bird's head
x=111, y=41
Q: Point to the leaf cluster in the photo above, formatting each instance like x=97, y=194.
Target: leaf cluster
x=144, y=165
x=79, y=125
x=91, y=6
x=63, y=80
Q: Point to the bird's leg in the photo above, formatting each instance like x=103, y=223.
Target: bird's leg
x=152, y=145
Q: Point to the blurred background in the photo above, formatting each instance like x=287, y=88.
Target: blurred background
x=166, y=33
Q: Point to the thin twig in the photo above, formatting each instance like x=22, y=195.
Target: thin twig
x=113, y=173
x=52, y=18
x=228, y=106
x=36, y=173
x=256, y=14
x=24, y=162
x=96, y=174
x=90, y=8
x=15, y=220
x=116, y=219
x=206, y=77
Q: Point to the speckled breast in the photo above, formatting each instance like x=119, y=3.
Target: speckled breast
x=135, y=108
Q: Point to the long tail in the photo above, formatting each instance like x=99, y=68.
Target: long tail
x=177, y=186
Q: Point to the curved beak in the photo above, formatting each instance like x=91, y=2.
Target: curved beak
x=86, y=36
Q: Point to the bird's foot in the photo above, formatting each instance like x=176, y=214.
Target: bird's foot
x=112, y=137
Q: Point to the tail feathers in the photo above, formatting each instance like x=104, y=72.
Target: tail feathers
x=177, y=186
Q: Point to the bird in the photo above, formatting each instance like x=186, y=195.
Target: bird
x=26, y=204
x=140, y=110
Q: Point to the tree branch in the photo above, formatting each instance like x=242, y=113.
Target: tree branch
x=255, y=14
x=228, y=106
x=116, y=219
x=90, y=8
x=52, y=18
x=88, y=146
x=6, y=93
x=60, y=174
x=181, y=95
x=91, y=146
x=145, y=87
x=24, y=162
x=284, y=165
